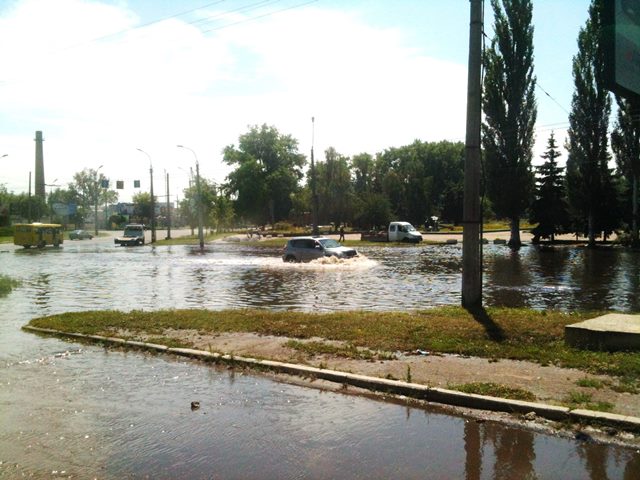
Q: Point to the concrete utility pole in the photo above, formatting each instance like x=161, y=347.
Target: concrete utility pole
x=314, y=193
x=200, y=219
x=153, y=200
x=95, y=201
x=168, y=210
x=472, y=216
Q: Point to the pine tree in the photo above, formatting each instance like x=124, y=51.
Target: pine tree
x=549, y=209
x=510, y=112
x=588, y=178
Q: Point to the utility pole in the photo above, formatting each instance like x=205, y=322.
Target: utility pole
x=153, y=200
x=29, y=206
x=200, y=219
x=153, y=206
x=472, y=217
x=168, y=210
x=314, y=193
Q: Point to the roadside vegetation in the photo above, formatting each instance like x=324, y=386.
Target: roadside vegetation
x=191, y=239
x=495, y=390
x=6, y=285
x=497, y=333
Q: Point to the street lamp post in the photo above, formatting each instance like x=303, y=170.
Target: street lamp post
x=95, y=203
x=314, y=193
x=153, y=201
x=200, y=222
x=168, y=207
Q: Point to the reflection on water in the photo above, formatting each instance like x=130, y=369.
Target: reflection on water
x=93, y=412
x=81, y=415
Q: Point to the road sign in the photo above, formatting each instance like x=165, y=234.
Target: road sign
x=622, y=42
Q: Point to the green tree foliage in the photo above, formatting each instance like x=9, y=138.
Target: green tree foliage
x=625, y=143
x=209, y=199
x=590, y=187
x=89, y=193
x=20, y=207
x=268, y=169
x=422, y=180
x=66, y=197
x=334, y=188
x=362, y=166
x=373, y=211
x=142, y=206
x=549, y=209
x=223, y=213
x=510, y=112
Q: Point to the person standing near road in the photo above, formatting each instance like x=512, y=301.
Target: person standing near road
x=341, y=239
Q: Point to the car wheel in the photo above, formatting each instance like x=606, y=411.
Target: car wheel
x=290, y=259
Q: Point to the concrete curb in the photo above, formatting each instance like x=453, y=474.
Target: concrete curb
x=396, y=387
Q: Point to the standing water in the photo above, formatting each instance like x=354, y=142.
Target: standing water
x=72, y=410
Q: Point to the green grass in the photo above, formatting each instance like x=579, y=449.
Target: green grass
x=6, y=239
x=498, y=333
x=575, y=400
x=191, y=239
x=168, y=342
x=7, y=284
x=590, y=383
x=495, y=390
x=343, y=351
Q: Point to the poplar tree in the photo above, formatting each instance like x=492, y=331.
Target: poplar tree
x=510, y=111
x=588, y=179
x=549, y=209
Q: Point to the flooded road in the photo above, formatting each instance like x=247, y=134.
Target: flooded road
x=82, y=411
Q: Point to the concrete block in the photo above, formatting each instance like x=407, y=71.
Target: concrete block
x=609, y=332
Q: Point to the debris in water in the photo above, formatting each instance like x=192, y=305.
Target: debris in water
x=195, y=405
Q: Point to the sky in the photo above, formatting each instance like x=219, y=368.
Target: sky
x=102, y=79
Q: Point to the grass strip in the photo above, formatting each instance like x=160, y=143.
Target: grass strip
x=191, y=239
x=495, y=390
x=7, y=284
x=496, y=333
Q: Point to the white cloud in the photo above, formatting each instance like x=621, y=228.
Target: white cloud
x=170, y=83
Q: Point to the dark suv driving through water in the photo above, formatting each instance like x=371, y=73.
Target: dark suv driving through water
x=305, y=249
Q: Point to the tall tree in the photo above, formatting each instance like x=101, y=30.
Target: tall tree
x=588, y=176
x=549, y=209
x=510, y=111
x=335, y=193
x=142, y=206
x=90, y=193
x=267, y=171
x=625, y=143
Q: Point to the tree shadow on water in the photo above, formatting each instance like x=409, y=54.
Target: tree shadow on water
x=494, y=331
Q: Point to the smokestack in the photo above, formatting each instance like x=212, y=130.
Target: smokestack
x=39, y=183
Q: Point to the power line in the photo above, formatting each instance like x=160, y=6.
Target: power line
x=257, y=17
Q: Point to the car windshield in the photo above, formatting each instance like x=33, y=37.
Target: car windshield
x=131, y=232
x=410, y=228
x=329, y=243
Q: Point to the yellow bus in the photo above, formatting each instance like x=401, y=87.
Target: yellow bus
x=37, y=234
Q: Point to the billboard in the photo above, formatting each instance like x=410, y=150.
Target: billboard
x=622, y=41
